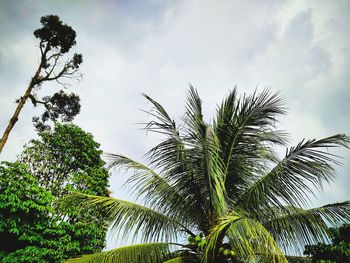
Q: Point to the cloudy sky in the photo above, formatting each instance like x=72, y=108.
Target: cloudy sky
x=297, y=48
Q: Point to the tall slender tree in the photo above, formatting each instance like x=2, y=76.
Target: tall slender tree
x=222, y=186
x=56, y=40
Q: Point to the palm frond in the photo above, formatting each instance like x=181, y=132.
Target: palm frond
x=154, y=190
x=215, y=173
x=290, y=182
x=163, y=124
x=293, y=227
x=226, y=113
x=171, y=157
x=141, y=253
x=245, y=126
x=205, y=156
x=248, y=238
x=193, y=116
x=129, y=217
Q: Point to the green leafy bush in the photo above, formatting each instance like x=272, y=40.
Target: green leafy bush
x=28, y=228
x=338, y=251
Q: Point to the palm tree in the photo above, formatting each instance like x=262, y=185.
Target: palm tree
x=217, y=192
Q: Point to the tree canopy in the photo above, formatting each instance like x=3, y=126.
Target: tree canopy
x=66, y=160
x=55, y=35
x=34, y=224
x=221, y=186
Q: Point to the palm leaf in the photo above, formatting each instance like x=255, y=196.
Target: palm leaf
x=205, y=157
x=293, y=227
x=290, y=181
x=244, y=127
x=154, y=190
x=129, y=217
x=141, y=253
x=216, y=179
x=187, y=175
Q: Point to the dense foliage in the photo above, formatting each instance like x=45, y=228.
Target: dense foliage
x=28, y=230
x=338, y=251
x=34, y=225
x=66, y=160
x=220, y=186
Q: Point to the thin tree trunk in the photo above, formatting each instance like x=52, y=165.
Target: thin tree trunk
x=22, y=101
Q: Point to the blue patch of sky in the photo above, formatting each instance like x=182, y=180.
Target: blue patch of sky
x=141, y=9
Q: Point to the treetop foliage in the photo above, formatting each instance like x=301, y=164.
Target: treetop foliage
x=56, y=39
x=66, y=159
x=55, y=34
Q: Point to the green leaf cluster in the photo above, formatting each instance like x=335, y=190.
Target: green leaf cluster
x=337, y=251
x=27, y=229
x=67, y=159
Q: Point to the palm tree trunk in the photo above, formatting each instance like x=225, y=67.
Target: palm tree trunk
x=22, y=101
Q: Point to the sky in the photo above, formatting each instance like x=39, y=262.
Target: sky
x=297, y=48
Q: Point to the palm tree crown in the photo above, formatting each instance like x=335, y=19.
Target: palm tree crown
x=221, y=187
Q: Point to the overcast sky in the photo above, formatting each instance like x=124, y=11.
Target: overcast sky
x=298, y=48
